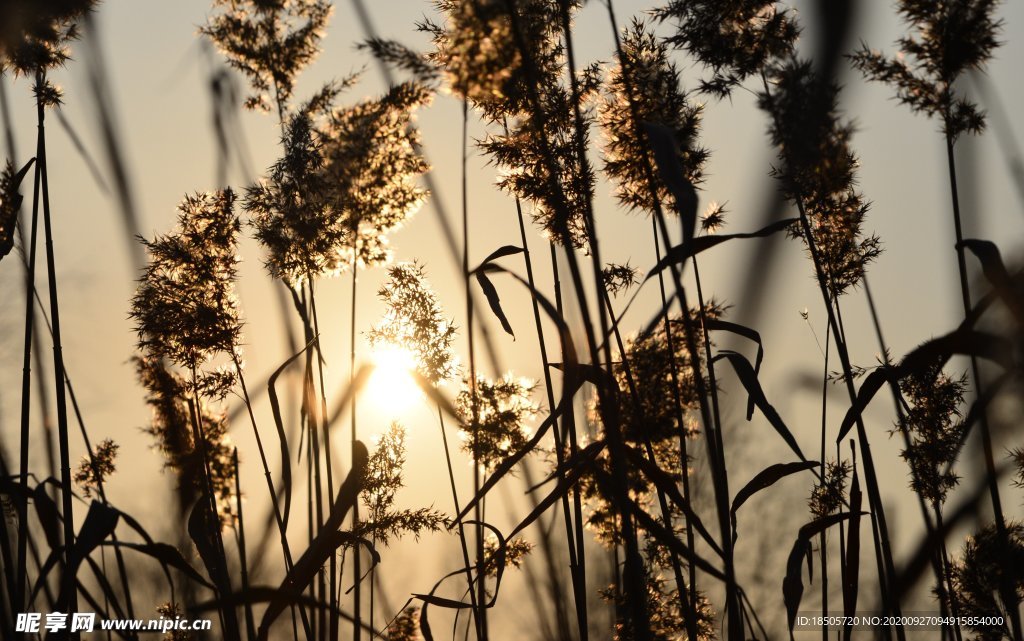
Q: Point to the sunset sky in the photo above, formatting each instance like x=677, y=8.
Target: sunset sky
x=159, y=72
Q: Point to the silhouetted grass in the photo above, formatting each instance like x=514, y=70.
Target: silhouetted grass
x=640, y=496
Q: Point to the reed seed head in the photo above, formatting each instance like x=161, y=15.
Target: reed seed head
x=948, y=39
x=175, y=410
x=371, y=167
x=935, y=429
x=382, y=480
x=734, y=40
x=818, y=169
x=185, y=308
x=502, y=408
x=93, y=470
x=35, y=35
x=644, y=87
x=414, y=321
x=270, y=42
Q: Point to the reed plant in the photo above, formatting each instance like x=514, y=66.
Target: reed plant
x=625, y=438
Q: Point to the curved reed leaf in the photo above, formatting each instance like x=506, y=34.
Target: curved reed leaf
x=962, y=341
x=717, y=324
x=431, y=598
x=682, y=253
x=99, y=523
x=745, y=372
x=792, y=584
x=265, y=594
x=275, y=406
x=501, y=252
x=494, y=301
x=764, y=479
x=996, y=273
x=872, y=383
x=166, y=555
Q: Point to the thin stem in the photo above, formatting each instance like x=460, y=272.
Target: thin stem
x=883, y=552
x=458, y=510
x=69, y=590
x=357, y=623
x=1007, y=592
x=577, y=565
x=481, y=588
x=328, y=458
x=823, y=540
x=709, y=415
x=26, y=380
x=250, y=625
x=219, y=573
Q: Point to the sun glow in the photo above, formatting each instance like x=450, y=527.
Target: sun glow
x=392, y=388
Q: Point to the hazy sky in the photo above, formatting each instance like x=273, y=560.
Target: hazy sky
x=159, y=74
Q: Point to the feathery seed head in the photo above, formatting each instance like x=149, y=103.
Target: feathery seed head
x=35, y=34
x=502, y=408
x=371, y=166
x=620, y=278
x=734, y=39
x=828, y=495
x=270, y=41
x=406, y=626
x=935, y=430
x=414, y=321
x=987, y=564
x=948, y=39
x=173, y=402
x=644, y=87
x=185, y=308
x=382, y=480
x=818, y=169
x=302, y=231
x=93, y=471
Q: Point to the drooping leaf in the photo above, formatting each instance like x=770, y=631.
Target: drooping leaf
x=494, y=301
x=872, y=383
x=717, y=324
x=100, y=521
x=681, y=253
x=793, y=584
x=748, y=378
x=265, y=594
x=275, y=406
x=501, y=252
x=995, y=272
x=766, y=478
x=166, y=555
x=201, y=524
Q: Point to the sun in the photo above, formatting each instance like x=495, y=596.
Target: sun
x=392, y=388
